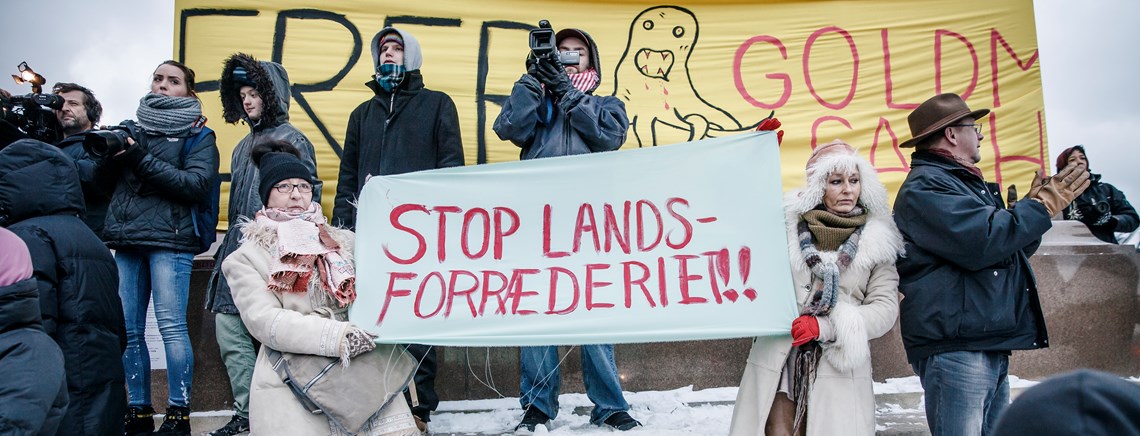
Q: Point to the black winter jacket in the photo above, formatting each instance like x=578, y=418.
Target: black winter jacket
x=33, y=388
x=96, y=196
x=272, y=83
x=77, y=279
x=966, y=277
x=1121, y=216
x=155, y=190
x=579, y=123
x=412, y=129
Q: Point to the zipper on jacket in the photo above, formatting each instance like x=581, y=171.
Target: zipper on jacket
x=391, y=110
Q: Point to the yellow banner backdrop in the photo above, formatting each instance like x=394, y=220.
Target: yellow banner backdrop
x=829, y=69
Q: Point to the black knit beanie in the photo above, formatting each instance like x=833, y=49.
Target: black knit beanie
x=278, y=166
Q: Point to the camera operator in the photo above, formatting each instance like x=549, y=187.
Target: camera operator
x=151, y=225
x=552, y=112
x=1102, y=207
x=80, y=113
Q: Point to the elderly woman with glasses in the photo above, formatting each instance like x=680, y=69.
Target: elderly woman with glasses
x=293, y=279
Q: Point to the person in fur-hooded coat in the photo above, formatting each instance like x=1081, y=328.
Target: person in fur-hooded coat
x=822, y=230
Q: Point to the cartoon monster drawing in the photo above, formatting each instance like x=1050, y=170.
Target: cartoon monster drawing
x=652, y=78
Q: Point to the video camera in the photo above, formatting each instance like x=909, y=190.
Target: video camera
x=103, y=144
x=543, y=45
x=30, y=116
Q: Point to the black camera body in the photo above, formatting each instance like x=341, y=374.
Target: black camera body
x=103, y=144
x=543, y=45
x=30, y=116
x=1102, y=206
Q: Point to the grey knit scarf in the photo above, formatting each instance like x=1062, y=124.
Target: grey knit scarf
x=170, y=116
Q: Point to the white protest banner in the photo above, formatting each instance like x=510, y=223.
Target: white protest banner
x=680, y=242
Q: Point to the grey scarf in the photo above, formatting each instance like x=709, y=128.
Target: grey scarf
x=170, y=116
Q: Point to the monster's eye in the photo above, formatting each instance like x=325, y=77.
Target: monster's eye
x=647, y=24
x=678, y=31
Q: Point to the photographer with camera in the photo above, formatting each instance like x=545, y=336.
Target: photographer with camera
x=80, y=113
x=166, y=168
x=1102, y=207
x=552, y=112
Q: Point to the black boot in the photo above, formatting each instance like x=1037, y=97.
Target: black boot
x=176, y=423
x=139, y=421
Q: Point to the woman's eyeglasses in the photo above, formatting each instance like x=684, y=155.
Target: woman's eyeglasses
x=287, y=188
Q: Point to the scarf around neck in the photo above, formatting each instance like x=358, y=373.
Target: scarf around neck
x=969, y=166
x=389, y=76
x=831, y=229
x=303, y=247
x=825, y=270
x=585, y=81
x=170, y=116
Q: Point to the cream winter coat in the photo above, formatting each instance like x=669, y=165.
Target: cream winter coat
x=841, y=401
x=285, y=322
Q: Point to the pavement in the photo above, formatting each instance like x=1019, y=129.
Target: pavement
x=897, y=414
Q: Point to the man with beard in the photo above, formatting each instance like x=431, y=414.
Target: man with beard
x=80, y=113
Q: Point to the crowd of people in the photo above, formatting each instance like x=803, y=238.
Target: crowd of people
x=950, y=262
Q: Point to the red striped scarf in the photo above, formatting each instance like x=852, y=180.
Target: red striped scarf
x=585, y=81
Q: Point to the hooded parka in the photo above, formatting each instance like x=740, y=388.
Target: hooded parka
x=77, y=279
x=410, y=129
x=841, y=401
x=578, y=123
x=272, y=83
x=33, y=389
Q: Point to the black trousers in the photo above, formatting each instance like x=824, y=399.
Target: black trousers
x=425, y=381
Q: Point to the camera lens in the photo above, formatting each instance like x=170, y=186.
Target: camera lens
x=104, y=143
x=1103, y=207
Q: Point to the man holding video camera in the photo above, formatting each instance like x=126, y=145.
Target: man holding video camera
x=552, y=112
x=80, y=113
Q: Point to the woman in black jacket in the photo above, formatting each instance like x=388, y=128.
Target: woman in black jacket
x=150, y=224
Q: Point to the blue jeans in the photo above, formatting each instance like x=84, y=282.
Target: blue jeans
x=541, y=380
x=966, y=391
x=164, y=275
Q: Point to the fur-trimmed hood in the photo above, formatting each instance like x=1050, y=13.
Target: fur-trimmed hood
x=881, y=240
x=269, y=78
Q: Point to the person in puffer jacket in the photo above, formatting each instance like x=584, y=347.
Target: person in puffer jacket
x=256, y=93
x=150, y=224
x=76, y=278
x=33, y=390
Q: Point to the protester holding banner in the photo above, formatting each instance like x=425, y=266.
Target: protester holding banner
x=405, y=127
x=292, y=267
x=969, y=293
x=257, y=93
x=552, y=112
x=843, y=267
x=1102, y=207
x=150, y=224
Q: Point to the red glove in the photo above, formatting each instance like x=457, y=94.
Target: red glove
x=804, y=329
x=771, y=123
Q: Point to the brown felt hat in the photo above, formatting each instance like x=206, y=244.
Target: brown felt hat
x=936, y=114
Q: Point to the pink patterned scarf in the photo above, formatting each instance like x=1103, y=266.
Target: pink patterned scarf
x=585, y=81
x=304, y=246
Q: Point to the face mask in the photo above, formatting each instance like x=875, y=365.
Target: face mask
x=389, y=76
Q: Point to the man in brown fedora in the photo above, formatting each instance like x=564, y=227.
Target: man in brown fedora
x=970, y=296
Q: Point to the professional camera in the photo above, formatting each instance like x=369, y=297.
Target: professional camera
x=30, y=116
x=1102, y=207
x=103, y=144
x=543, y=45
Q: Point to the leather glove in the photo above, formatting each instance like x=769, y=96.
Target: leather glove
x=1058, y=191
x=804, y=329
x=532, y=65
x=356, y=342
x=769, y=124
x=551, y=74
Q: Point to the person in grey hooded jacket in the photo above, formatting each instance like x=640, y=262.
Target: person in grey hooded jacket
x=256, y=93
x=552, y=112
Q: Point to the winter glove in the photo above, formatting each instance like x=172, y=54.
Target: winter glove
x=804, y=329
x=356, y=342
x=131, y=155
x=771, y=123
x=532, y=65
x=551, y=74
x=1058, y=191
